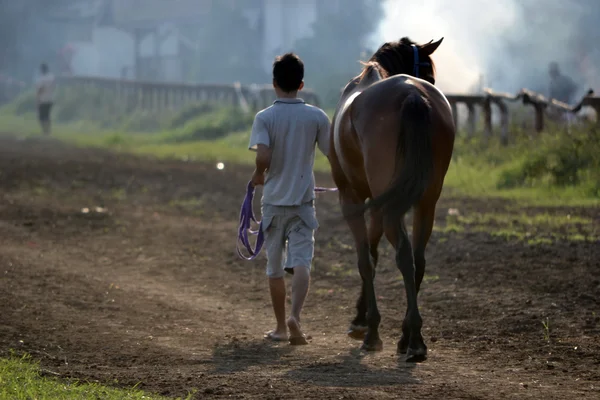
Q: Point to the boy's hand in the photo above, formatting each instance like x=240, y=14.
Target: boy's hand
x=258, y=178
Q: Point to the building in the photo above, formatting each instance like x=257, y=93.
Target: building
x=145, y=39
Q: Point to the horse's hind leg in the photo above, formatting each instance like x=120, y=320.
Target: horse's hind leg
x=423, y=218
x=358, y=327
x=358, y=227
x=416, y=350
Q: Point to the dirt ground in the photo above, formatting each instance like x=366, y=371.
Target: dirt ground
x=150, y=291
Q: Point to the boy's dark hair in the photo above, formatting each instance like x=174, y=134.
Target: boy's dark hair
x=44, y=67
x=288, y=72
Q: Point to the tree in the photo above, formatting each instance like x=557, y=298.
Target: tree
x=339, y=42
x=26, y=37
x=228, y=48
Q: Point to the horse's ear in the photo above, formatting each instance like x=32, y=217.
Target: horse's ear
x=430, y=47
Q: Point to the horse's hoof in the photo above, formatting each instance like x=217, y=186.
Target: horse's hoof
x=402, y=345
x=371, y=347
x=357, y=332
x=416, y=355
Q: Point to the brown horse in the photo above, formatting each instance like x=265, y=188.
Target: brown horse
x=392, y=139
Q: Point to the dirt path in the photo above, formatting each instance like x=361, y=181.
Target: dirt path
x=152, y=292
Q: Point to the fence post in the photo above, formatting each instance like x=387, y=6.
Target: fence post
x=504, y=120
x=471, y=120
x=487, y=117
x=539, y=117
x=454, y=113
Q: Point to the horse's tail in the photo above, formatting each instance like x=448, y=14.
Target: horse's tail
x=414, y=159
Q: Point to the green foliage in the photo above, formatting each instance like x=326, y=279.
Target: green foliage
x=145, y=121
x=536, y=228
x=555, y=167
x=89, y=104
x=20, y=379
x=97, y=108
x=568, y=160
x=191, y=112
x=23, y=104
x=213, y=125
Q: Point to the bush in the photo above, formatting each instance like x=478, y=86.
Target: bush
x=191, y=112
x=567, y=161
x=89, y=104
x=23, y=104
x=213, y=125
x=97, y=107
x=145, y=121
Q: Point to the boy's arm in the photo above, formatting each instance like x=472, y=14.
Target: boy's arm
x=323, y=135
x=263, y=162
x=260, y=142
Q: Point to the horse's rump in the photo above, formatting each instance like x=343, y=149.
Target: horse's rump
x=387, y=118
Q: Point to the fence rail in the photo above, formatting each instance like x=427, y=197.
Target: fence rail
x=540, y=104
x=158, y=96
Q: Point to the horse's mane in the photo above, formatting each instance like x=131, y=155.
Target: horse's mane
x=394, y=57
x=371, y=67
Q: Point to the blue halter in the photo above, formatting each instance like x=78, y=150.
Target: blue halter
x=417, y=63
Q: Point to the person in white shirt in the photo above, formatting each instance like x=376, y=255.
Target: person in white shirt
x=45, y=97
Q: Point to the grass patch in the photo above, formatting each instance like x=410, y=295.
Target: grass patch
x=554, y=168
x=545, y=220
x=341, y=270
x=192, y=205
x=430, y=278
x=535, y=229
x=449, y=228
x=21, y=379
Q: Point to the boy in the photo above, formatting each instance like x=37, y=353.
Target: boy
x=284, y=136
x=45, y=97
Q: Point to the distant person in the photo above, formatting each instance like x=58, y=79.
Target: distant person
x=285, y=136
x=562, y=87
x=45, y=97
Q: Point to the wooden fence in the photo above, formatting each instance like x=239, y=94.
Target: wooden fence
x=155, y=96
x=540, y=104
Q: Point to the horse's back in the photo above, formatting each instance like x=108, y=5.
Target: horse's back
x=368, y=124
x=387, y=96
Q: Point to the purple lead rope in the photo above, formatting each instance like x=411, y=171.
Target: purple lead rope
x=246, y=219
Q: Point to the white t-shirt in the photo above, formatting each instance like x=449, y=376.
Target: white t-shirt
x=46, y=84
x=292, y=129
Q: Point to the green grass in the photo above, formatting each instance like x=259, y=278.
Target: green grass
x=21, y=379
x=231, y=148
x=554, y=169
x=535, y=228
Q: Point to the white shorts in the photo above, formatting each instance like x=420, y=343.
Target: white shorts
x=289, y=237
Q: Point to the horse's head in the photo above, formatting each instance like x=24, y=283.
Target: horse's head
x=407, y=57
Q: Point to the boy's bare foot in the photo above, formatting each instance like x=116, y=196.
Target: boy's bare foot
x=276, y=336
x=296, y=335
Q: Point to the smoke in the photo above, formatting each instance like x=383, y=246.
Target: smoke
x=502, y=44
